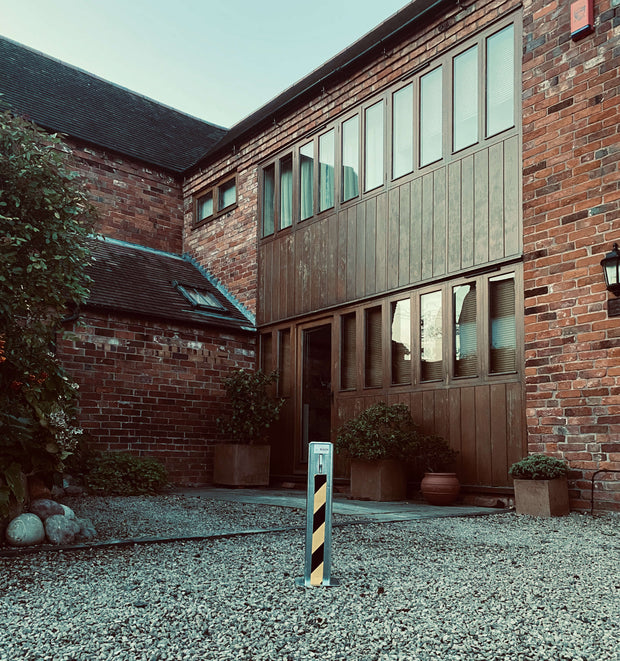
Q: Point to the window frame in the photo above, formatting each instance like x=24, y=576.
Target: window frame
x=215, y=190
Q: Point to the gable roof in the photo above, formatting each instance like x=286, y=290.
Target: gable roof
x=65, y=99
x=141, y=281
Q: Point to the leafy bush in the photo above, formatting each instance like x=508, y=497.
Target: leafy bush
x=122, y=474
x=433, y=454
x=45, y=222
x=382, y=431
x=538, y=467
x=253, y=408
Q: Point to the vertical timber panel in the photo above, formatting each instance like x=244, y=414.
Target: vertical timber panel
x=496, y=201
x=351, y=221
x=360, y=253
x=381, y=256
x=341, y=287
x=415, y=265
x=468, y=435
x=481, y=207
x=454, y=217
x=499, y=440
x=393, y=238
x=483, y=436
x=439, y=222
x=428, y=199
x=513, y=233
x=467, y=212
x=276, y=280
x=516, y=445
x=371, y=246
x=332, y=260
x=404, y=240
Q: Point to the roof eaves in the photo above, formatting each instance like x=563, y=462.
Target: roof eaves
x=388, y=29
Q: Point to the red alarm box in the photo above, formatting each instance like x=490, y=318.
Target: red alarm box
x=581, y=17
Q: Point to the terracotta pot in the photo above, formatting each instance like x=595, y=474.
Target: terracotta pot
x=378, y=479
x=238, y=465
x=542, y=497
x=440, y=488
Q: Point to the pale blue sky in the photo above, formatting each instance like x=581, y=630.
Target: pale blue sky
x=216, y=59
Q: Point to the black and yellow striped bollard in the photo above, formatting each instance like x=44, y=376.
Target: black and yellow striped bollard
x=319, y=517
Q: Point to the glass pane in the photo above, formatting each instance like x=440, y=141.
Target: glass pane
x=374, y=146
x=228, y=194
x=465, y=100
x=204, y=207
x=348, y=354
x=402, y=132
x=431, y=337
x=431, y=117
x=500, y=81
x=373, y=350
x=326, y=171
x=503, y=326
x=401, y=342
x=268, y=200
x=266, y=354
x=306, y=181
x=284, y=363
x=350, y=158
x=286, y=192
x=465, y=333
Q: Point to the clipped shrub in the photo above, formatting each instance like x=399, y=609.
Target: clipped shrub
x=538, y=467
x=123, y=474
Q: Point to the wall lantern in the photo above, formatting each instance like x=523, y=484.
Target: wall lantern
x=611, y=269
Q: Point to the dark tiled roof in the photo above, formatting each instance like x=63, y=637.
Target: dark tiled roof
x=64, y=99
x=135, y=280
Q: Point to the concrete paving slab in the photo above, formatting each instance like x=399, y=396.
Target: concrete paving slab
x=364, y=509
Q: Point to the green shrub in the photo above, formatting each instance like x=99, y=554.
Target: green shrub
x=122, y=474
x=538, y=467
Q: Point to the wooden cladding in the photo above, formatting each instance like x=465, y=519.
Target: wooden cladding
x=450, y=219
x=485, y=423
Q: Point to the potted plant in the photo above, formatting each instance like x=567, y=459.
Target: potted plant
x=434, y=459
x=252, y=409
x=540, y=485
x=378, y=442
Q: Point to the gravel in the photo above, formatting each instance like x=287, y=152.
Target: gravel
x=497, y=588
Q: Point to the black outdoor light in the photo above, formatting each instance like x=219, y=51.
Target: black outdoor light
x=611, y=269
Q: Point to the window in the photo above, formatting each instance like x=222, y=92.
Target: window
x=401, y=342
x=348, y=353
x=200, y=298
x=431, y=132
x=350, y=158
x=306, y=181
x=374, y=147
x=216, y=200
x=502, y=331
x=326, y=171
x=465, y=331
x=266, y=352
x=374, y=349
x=284, y=363
x=269, y=191
x=286, y=192
x=402, y=132
x=465, y=99
x=500, y=81
x=431, y=337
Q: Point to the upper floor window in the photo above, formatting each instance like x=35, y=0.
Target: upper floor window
x=215, y=200
x=455, y=102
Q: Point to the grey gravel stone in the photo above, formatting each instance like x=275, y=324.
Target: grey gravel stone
x=496, y=588
x=60, y=529
x=25, y=530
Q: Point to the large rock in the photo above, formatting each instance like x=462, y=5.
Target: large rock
x=68, y=512
x=25, y=530
x=44, y=508
x=61, y=530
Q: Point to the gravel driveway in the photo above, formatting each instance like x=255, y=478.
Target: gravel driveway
x=502, y=587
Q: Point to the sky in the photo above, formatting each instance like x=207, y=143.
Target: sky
x=218, y=60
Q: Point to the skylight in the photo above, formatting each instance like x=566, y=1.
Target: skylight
x=200, y=298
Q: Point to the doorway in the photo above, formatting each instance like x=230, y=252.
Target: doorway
x=316, y=387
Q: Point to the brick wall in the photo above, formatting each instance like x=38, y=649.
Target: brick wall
x=571, y=193
x=228, y=244
x=137, y=203
x=154, y=389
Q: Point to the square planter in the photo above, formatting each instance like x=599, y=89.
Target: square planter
x=379, y=479
x=542, y=497
x=239, y=465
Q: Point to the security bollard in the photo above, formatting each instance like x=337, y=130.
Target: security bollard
x=319, y=517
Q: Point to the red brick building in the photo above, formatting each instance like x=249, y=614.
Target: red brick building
x=422, y=219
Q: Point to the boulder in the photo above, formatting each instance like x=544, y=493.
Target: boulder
x=25, y=530
x=87, y=530
x=44, y=508
x=61, y=530
x=68, y=512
